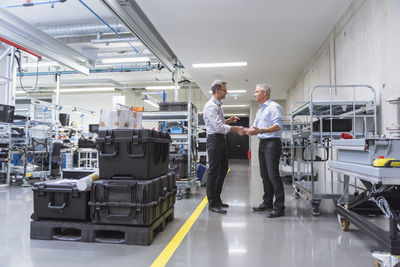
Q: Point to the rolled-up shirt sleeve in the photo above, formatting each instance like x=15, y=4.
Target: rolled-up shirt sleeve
x=277, y=116
x=211, y=114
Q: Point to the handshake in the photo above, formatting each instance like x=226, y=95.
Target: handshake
x=240, y=130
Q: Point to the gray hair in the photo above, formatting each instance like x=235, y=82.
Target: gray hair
x=216, y=85
x=264, y=87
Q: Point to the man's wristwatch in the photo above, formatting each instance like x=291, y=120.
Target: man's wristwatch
x=261, y=131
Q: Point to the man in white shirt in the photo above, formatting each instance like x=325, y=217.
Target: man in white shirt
x=267, y=126
x=217, y=127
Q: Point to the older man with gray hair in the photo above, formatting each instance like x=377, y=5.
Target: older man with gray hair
x=217, y=127
x=267, y=126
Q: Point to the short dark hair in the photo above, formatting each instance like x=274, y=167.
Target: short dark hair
x=216, y=85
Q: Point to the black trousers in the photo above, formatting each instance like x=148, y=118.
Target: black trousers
x=269, y=153
x=217, y=169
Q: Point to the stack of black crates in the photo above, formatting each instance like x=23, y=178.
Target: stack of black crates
x=133, y=198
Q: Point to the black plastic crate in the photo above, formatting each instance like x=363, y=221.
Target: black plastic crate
x=202, y=147
x=60, y=199
x=133, y=154
x=203, y=160
x=77, y=173
x=338, y=125
x=178, y=163
x=203, y=135
x=200, y=119
x=173, y=106
x=131, y=202
x=86, y=143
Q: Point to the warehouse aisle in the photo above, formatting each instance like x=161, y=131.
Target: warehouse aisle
x=240, y=238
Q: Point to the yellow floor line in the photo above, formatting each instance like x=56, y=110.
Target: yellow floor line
x=169, y=250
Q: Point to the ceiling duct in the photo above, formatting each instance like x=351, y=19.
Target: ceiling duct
x=129, y=12
x=82, y=29
x=24, y=34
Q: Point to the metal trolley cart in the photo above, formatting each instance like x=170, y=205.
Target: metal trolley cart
x=327, y=119
x=377, y=194
x=188, y=140
x=285, y=169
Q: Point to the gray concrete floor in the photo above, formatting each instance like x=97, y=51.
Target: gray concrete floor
x=240, y=238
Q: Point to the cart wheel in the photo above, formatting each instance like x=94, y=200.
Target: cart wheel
x=296, y=195
x=344, y=224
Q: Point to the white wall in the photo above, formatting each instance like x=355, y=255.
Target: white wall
x=363, y=48
x=93, y=102
x=99, y=101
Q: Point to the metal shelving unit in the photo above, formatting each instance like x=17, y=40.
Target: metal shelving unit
x=5, y=144
x=311, y=148
x=188, y=140
x=88, y=158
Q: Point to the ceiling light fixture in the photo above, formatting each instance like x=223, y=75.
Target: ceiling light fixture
x=41, y=64
x=236, y=114
x=160, y=87
x=235, y=106
x=87, y=89
x=151, y=103
x=233, y=91
x=219, y=65
x=125, y=60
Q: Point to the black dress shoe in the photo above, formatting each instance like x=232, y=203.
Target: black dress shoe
x=276, y=214
x=263, y=207
x=217, y=210
x=224, y=205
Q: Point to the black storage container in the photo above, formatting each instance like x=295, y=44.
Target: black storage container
x=203, y=160
x=338, y=125
x=77, y=173
x=173, y=106
x=203, y=135
x=202, y=147
x=131, y=202
x=86, y=143
x=178, y=163
x=133, y=154
x=200, y=119
x=60, y=199
x=64, y=119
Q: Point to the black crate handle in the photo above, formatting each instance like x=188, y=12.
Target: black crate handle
x=59, y=207
x=129, y=148
x=116, y=148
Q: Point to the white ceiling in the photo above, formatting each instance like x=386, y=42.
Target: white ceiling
x=276, y=38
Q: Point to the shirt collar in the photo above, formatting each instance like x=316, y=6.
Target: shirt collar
x=266, y=103
x=216, y=101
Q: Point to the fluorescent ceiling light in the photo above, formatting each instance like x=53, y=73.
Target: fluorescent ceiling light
x=233, y=91
x=41, y=64
x=235, y=250
x=218, y=65
x=125, y=59
x=151, y=103
x=160, y=87
x=87, y=89
x=235, y=106
x=237, y=115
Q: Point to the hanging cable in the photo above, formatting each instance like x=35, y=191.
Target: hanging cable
x=18, y=59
